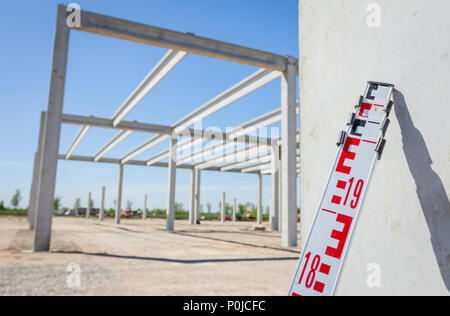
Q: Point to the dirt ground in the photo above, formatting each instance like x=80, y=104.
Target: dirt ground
x=142, y=258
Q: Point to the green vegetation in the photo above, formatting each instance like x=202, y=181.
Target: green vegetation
x=15, y=201
x=57, y=203
x=13, y=212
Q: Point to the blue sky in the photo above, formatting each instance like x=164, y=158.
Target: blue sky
x=103, y=71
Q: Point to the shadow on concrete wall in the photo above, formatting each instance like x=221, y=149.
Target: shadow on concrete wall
x=429, y=187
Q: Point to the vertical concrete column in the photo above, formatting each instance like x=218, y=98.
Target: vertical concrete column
x=259, y=210
x=280, y=201
x=170, y=219
x=234, y=210
x=119, y=195
x=88, y=208
x=34, y=183
x=274, y=202
x=193, y=197
x=223, y=211
x=101, y=216
x=198, y=178
x=50, y=142
x=288, y=154
x=144, y=212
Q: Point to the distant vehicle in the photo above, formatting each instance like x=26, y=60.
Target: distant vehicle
x=136, y=213
x=227, y=218
x=70, y=213
x=251, y=216
x=82, y=211
x=126, y=213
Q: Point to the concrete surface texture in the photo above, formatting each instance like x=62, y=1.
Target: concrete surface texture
x=404, y=225
x=142, y=258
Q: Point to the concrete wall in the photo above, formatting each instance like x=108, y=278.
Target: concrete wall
x=404, y=225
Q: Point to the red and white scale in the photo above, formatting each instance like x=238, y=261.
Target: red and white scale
x=329, y=238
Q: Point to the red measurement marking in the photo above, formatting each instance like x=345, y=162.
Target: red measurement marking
x=325, y=269
x=341, y=236
x=346, y=154
x=319, y=286
x=381, y=106
x=295, y=294
x=369, y=141
x=329, y=211
x=341, y=184
x=336, y=199
x=364, y=106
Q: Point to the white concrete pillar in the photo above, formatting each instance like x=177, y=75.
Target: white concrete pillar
x=223, y=211
x=234, y=210
x=259, y=209
x=50, y=143
x=193, y=197
x=280, y=200
x=101, y=215
x=288, y=154
x=34, y=183
x=144, y=212
x=274, y=201
x=170, y=219
x=198, y=178
x=88, y=208
x=119, y=195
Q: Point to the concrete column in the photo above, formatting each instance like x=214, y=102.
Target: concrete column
x=119, y=195
x=223, y=211
x=288, y=154
x=88, y=208
x=274, y=202
x=34, y=183
x=170, y=220
x=193, y=197
x=198, y=178
x=144, y=212
x=259, y=210
x=234, y=210
x=50, y=142
x=101, y=215
x=280, y=201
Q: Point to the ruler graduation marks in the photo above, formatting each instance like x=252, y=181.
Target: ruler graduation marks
x=329, y=237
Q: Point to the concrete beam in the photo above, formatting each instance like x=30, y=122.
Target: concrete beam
x=52, y=131
x=188, y=42
x=161, y=70
x=241, y=89
x=288, y=155
x=108, y=123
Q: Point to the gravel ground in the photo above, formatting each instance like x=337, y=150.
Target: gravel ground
x=142, y=258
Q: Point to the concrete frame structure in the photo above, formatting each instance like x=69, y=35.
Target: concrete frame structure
x=272, y=66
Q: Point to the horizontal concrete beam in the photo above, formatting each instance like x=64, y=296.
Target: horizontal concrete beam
x=108, y=123
x=187, y=42
x=135, y=163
